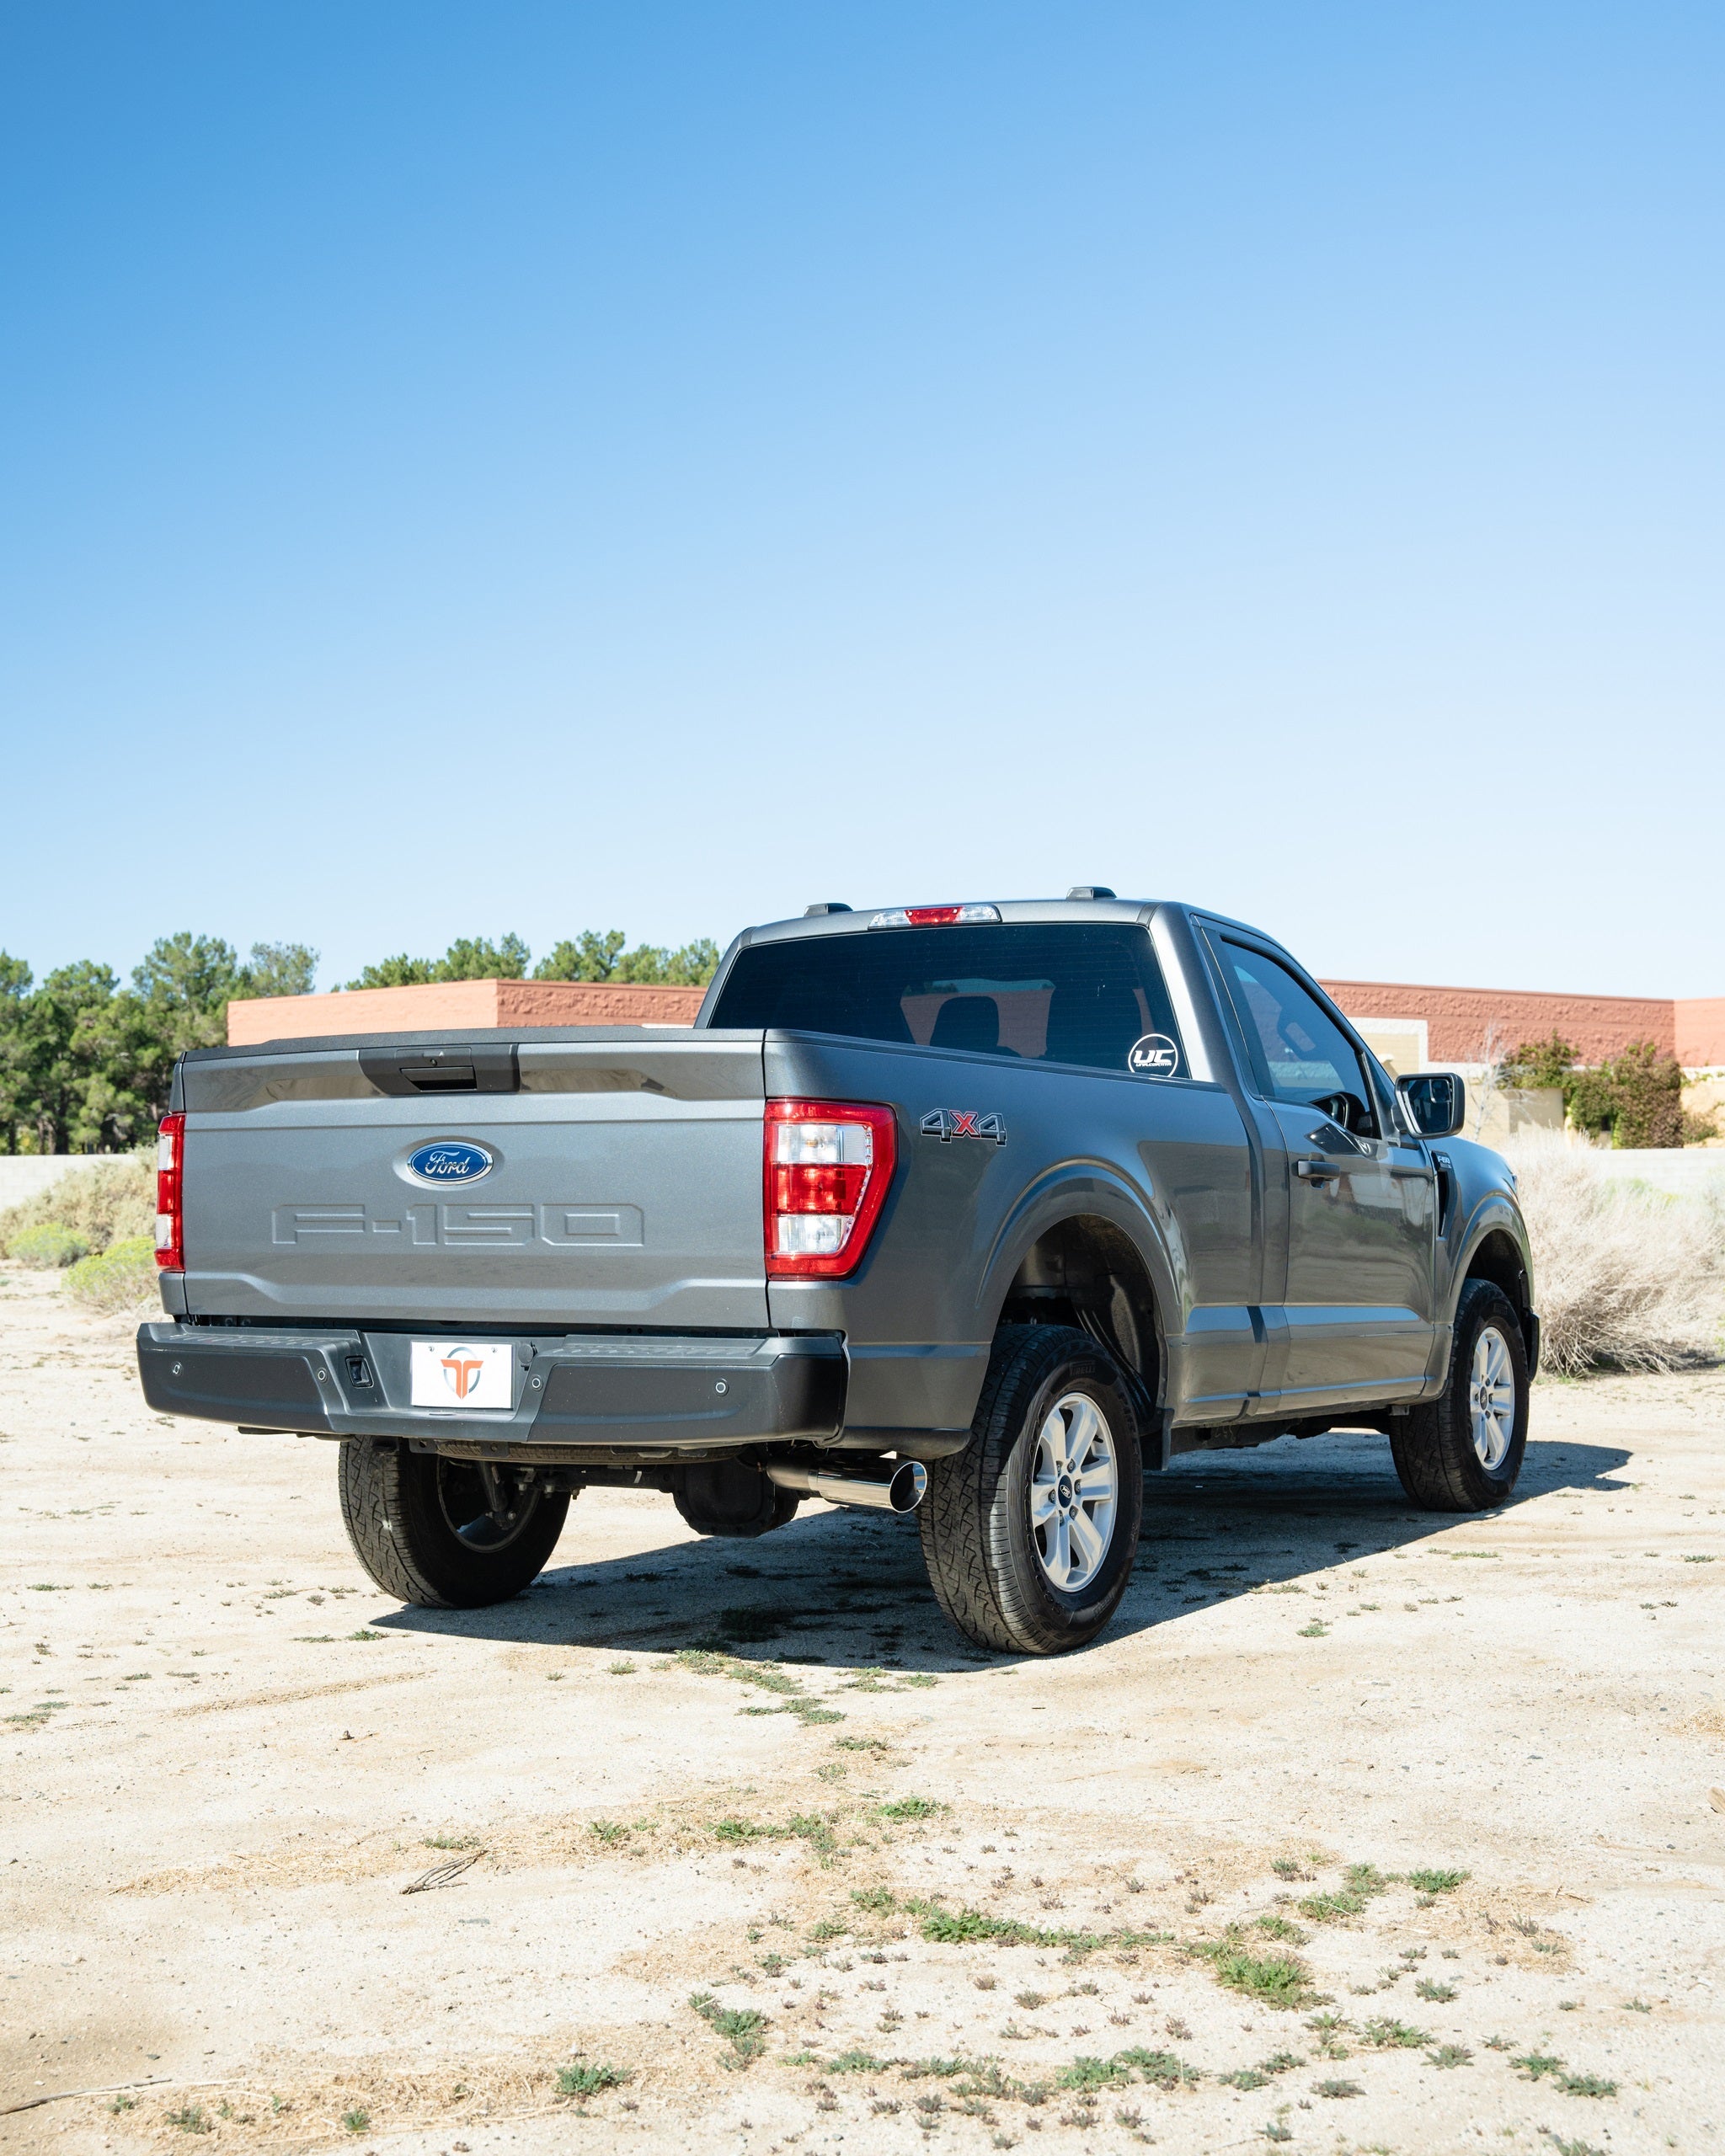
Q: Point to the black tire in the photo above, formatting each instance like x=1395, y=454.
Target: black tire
x=729, y=1497
x=422, y=1527
x=983, y=1554
x=1441, y=1467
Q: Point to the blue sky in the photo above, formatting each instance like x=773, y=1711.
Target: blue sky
x=542, y=467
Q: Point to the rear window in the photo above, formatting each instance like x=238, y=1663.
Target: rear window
x=1090, y=994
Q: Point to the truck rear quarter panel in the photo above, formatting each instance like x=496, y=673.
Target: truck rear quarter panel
x=1167, y=1162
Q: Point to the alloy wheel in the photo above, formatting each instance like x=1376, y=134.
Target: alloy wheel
x=1074, y=1489
x=1491, y=1399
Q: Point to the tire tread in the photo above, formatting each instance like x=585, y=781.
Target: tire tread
x=966, y=1533
x=1433, y=1445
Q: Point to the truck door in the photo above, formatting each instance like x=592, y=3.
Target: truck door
x=1356, y=1315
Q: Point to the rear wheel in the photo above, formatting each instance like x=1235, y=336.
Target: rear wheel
x=445, y=1534
x=1029, y=1533
x=1462, y=1452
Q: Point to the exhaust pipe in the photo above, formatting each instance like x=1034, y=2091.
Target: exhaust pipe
x=902, y=1491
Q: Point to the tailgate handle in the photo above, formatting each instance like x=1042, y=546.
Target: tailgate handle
x=406, y=1072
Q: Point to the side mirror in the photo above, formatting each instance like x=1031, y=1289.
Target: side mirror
x=1435, y=1102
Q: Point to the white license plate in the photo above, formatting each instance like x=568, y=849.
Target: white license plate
x=463, y=1374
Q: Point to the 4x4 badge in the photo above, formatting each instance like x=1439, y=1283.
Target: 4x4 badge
x=948, y=1124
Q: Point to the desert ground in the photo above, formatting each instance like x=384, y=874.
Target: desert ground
x=1358, y=1830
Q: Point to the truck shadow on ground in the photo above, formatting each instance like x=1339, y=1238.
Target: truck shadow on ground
x=848, y=1588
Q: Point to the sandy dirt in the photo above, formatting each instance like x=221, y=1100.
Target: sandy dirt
x=918, y=1896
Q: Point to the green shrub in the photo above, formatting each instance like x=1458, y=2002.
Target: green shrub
x=118, y=1277
x=49, y=1247
x=1635, y=1099
x=99, y=1205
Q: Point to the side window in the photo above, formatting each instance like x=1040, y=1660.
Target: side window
x=1298, y=1052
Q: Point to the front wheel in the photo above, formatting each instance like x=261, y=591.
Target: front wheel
x=1029, y=1533
x=1462, y=1452
x=446, y=1533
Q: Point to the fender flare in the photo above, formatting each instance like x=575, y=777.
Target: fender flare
x=1076, y=1190
x=1495, y=1213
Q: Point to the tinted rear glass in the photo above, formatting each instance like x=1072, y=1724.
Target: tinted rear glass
x=1085, y=995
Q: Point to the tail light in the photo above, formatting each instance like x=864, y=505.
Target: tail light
x=170, y=1193
x=828, y=1166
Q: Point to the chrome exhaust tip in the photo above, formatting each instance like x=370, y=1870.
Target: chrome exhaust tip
x=901, y=1491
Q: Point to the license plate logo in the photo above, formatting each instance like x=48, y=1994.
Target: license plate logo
x=463, y=1374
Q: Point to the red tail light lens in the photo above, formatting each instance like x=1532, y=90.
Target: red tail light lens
x=170, y=1190
x=828, y=1166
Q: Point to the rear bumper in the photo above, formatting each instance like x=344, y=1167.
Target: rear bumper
x=632, y=1398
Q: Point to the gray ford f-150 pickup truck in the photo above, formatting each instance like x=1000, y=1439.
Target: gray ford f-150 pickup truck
x=976, y=1210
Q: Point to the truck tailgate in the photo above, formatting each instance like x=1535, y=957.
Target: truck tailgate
x=612, y=1179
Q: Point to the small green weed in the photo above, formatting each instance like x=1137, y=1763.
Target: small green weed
x=356, y=2120
x=880, y=1901
x=968, y=1927
x=739, y=1830
x=1279, y=1980
x=1339, y=2089
x=1535, y=2066
x=1092, y=2074
x=1450, y=2055
x=1585, y=2084
x=817, y=1831
x=857, y=2062
x=1161, y=2069
x=579, y=2080
x=742, y=2027
x=1274, y=1927
x=1331, y=1908
x=1436, y=1882
x=190, y=2118
x=608, y=1831
x=1386, y=2035
x=910, y=1807
x=1443, y=1993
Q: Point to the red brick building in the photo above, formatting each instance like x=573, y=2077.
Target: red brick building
x=1460, y=1021
x=1457, y=1021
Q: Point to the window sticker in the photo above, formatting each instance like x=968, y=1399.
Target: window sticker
x=1154, y=1055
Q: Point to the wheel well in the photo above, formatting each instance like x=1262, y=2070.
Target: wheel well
x=1498, y=1261
x=1088, y=1273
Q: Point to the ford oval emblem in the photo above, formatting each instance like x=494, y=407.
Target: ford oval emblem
x=451, y=1160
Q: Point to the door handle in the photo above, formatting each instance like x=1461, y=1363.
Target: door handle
x=1419, y=1172
x=1312, y=1170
